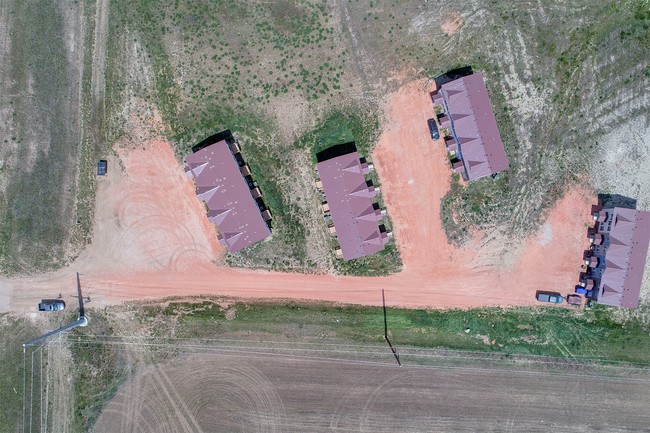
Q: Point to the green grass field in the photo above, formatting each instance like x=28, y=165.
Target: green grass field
x=592, y=334
x=13, y=332
x=47, y=195
x=99, y=371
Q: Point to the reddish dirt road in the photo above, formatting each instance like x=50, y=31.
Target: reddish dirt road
x=152, y=238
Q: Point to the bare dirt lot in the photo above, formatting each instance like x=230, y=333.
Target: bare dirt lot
x=253, y=392
x=152, y=238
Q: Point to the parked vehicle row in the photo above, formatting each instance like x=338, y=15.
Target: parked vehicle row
x=557, y=298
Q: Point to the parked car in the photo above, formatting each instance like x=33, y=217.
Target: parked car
x=433, y=129
x=51, y=305
x=102, y=167
x=552, y=297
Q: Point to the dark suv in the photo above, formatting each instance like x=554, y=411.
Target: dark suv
x=433, y=129
x=51, y=305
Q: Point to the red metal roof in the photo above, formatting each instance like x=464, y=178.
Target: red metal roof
x=231, y=206
x=350, y=202
x=468, y=105
x=628, y=237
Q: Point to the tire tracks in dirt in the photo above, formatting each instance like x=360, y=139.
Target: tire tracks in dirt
x=244, y=391
x=167, y=390
x=192, y=396
x=172, y=390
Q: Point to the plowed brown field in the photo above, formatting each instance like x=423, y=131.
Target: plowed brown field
x=152, y=238
x=261, y=393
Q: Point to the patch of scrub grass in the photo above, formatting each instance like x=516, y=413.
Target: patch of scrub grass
x=629, y=20
x=384, y=262
x=38, y=216
x=144, y=16
x=578, y=76
x=13, y=332
x=279, y=48
x=357, y=124
x=475, y=204
x=99, y=371
x=92, y=148
x=549, y=331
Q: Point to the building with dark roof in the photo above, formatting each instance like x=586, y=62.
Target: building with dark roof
x=615, y=261
x=467, y=120
x=233, y=200
x=349, y=204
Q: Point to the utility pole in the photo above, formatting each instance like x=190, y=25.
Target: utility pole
x=395, y=354
x=81, y=321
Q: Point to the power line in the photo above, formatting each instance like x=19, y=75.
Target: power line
x=247, y=352
x=24, y=385
x=368, y=349
x=41, y=404
x=275, y=350
x=31, y=396
x=474, y=353
x=47, y=389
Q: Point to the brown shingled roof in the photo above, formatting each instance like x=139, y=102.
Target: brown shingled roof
x=350, y=202
x=220, y=183
x=474, y=125
x=626, y=236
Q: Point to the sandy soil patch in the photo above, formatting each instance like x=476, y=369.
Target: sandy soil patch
x=147, y=215
x=452, y=24
x=152, y=238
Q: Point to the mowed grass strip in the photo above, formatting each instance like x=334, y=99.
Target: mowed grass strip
x=550, y=331
x=358, y=124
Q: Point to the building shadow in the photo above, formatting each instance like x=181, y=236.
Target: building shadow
x=337, y=150
x=215, y=138
x=606, y=201
x=452, y=75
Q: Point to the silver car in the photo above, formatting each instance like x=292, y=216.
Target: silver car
x=51, y=305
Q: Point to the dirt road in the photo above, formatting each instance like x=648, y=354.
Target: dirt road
x=254, y=392
x=152, y=238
